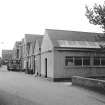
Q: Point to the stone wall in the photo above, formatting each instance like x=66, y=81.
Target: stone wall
x=95, y=84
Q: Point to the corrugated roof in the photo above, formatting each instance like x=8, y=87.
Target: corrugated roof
x=72, y=37
x=79, y=44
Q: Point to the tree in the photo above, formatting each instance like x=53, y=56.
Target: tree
x=96, y=15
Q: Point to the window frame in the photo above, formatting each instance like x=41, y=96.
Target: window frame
x=96, y=61
x=77, y=60
x=100, y=61
x=86, y=59
x=67, y=59
x=103, y=59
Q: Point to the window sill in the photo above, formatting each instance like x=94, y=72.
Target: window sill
x=67, y=67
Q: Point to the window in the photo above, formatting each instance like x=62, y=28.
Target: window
x=17, y=53
x=96, y=60
x=78, y=61
x=68, y=60
x=99, y=61
x=17, y=61
x=102, y=60
x=86, y=60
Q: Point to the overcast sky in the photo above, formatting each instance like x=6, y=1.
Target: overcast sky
x=19, y=17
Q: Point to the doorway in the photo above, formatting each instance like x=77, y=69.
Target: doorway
x=45, y=67
x=34, y=64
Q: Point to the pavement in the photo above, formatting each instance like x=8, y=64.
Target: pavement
x=18, y=88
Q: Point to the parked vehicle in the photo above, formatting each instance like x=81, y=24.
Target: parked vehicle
x=13, y=65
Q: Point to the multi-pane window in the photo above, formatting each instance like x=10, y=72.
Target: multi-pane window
x=17, y=53
x=86, y=60
x=99, y=60
x=17, y=61
x=102, y=60
x=78, y=61
x=96, y=60
x=68, y=60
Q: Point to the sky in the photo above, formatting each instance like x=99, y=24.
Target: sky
x=19, y=17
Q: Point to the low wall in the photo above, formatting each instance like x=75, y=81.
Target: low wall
x=95, y=84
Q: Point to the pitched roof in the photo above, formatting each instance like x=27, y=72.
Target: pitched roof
x=32, y=37
x=57, y=36
x=17, y=44
x=40, y=41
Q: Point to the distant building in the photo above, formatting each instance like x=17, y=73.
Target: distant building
x=37, y=56
x=69, y=53
x=7, y=55
x=17, y=50
x=17, y=53
x=29, y=43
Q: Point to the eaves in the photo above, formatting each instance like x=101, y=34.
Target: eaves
x=79, y=49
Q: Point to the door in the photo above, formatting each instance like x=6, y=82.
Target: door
x=45, y=67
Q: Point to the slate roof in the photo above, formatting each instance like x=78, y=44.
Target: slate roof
x=40, y=41
x=62, y=38
x=32, y=37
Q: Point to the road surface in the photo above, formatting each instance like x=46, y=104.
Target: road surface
x=23, y=89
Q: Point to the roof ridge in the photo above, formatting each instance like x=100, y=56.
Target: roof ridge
x=73, y=31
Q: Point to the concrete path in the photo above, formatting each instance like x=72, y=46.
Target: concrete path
x=22, y=89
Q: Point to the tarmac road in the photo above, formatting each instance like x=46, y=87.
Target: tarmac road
x=22, y=89
x=9, y=99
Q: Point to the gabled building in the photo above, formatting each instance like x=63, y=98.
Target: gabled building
x=37, y=56
x=28, y=49
x=17, y=50
x=7, y=55
x=70, y=53
x=17, y=56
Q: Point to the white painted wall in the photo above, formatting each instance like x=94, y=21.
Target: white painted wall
x=45, y=48
x=38, y=64
x=46, y=44
x=61, y=71
x=36, y=49
x=50, y=64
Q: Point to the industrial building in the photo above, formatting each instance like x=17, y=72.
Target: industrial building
x=68, y=53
